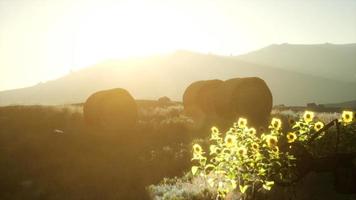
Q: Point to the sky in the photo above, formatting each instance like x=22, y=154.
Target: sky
x=41, y=40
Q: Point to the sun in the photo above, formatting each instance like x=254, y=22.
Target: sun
x=131, y=30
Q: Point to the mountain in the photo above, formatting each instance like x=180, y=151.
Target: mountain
x=347, y=104
x=169, y=75
x=332, y=61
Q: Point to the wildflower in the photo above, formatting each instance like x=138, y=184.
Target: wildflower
x=197, y=149
x=214, y=130
x=252, y=131
x=275, y=149
x=308, y=116
x=318, y=126
x=215, y=133
x=242, y=122
x=276, y=123
x=271, y=140
x=230, y=140
x=291, y=137
x=255, y=146
x=347, y=116
x=242, y=151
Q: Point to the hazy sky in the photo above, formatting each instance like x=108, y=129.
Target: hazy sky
x=45, y=39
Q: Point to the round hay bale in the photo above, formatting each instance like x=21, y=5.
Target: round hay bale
x=190, y=97
x=199, y=98
x=113, y=109
x=244, y=97
x=207, y=95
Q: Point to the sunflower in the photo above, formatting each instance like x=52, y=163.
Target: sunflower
x=347, y=116
x=318, y=126
x=252, y=131
x=291, y=137
x=242, y=151
x=214, y=130
x=308, y=116
x=275, y=149
x=255, y=146
x=230, y=140
x=276, y=123
x=242, y=122
x=271, y=140
x=291, y=121
x=215, y=133
x=197, y=149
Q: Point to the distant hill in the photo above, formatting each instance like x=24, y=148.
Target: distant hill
x=169, y=75
x=332, y=61
x=347, y=104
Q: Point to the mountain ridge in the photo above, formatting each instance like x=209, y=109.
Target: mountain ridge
x=169, y=75
x=333, y=61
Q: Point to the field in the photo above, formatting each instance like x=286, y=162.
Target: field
x=49, y=152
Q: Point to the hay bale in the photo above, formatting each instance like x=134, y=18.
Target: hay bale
x=244, y=97
x=190, y=97
x=207, y=96
x=112, y=109
x=198, y=98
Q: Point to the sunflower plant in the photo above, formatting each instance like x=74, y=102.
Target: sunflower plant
x=348, y=128
x=241, y=160
x=303, y=129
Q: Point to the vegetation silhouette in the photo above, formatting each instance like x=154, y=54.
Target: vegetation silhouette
x=87, y=163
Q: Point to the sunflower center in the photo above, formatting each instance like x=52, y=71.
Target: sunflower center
x=347, y=116
x=308, y=116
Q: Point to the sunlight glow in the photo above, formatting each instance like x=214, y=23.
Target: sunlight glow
x=48, y=39
x=131, y=30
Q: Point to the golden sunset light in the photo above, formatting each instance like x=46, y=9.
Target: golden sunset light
x=177, y=99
